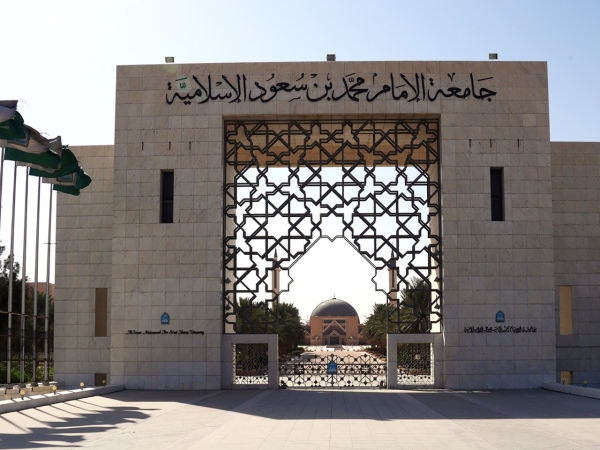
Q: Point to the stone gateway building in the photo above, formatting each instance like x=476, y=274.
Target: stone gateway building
x=441, y=174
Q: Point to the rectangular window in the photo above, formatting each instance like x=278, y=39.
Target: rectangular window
x=565, y=307
x=497, y=191
x=101, y=319
x=100, y=379
x=167, y=191
x=566, y=377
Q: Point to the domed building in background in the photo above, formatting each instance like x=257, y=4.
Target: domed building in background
x=335, y=322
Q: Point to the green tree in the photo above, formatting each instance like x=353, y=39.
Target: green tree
x=412, y=315
x=16, y=318
x=415, y=307
x=15, y=302
x=375, y=330
x=291, y=332
x=282, y=319
x=381, y=321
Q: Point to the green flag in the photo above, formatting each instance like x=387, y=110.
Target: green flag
x=71, y=183
x=11, y=122
x=71, y=190
x=46, y=160
x=33, y=142
x=8, y=109
x=68, y=164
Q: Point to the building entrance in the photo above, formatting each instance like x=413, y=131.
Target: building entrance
x=374, y=183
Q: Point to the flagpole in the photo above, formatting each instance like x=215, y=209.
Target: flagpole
x=35, y=283
x=1, y=178
x=23, y=276
x=1, y=183
x=10, y=280
x=47, y=291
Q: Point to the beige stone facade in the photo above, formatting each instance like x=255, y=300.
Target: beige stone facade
x=576, y=220
x=111, y=236
x=332, y=330
x=84, y=263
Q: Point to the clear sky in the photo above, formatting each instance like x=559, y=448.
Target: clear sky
x=59, y=59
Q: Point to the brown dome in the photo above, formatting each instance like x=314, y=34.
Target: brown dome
x=334, y=307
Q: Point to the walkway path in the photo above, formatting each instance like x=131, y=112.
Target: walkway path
x=310, y=419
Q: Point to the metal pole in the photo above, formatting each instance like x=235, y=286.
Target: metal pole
x=1, y=178
x=10, y=280
x=23, y=284
x=47, y=292
x=35, y=282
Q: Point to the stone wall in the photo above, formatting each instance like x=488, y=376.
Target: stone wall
x=576, y=212
x=83, y=263
x=177, y=268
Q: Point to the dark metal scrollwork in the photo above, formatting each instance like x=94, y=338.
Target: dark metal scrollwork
x=311, y=370
x=289, y=183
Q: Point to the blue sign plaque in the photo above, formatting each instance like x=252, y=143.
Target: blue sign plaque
x=165, y=319
x=331, y=368
x=499, y=316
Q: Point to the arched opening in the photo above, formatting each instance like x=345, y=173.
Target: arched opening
x=374, y=184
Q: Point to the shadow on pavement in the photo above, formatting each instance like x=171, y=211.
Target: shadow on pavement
x=56, y=431
x=73, y=423
x=308, y=404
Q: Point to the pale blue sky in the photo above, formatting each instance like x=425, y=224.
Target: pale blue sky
x=60, y=56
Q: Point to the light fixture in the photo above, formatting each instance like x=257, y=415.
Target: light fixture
x=493, y=55
x=584, y=383
x=169, y=59
x=54, y=389
x=82, y=384
x=104, y=383
x=22, y=393
x=330, y=56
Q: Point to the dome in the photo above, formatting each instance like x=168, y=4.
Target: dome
x=334, y=307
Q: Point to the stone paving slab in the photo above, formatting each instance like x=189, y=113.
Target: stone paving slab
x=591, y=392
x=310, y=419
x=34, y=400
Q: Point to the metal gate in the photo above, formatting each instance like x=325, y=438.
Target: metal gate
x=310, y=370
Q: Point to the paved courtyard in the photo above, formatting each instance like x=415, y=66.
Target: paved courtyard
x=310, y=419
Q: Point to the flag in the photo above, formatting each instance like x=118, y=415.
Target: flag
x=33, y=142
x=8, y=108
x=71, y=183
x=67, y=164
x=11, y=122
x=46, y=160
x=33, y=150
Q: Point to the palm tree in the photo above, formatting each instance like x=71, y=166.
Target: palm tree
x=375, y=330
x=291, y=332
x=282, y=319
x=411, y=316
x=415, y=307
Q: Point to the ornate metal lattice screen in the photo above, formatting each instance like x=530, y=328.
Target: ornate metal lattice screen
x=250, y=364
x=334, y=369
x=374, y=183
x=415, y=364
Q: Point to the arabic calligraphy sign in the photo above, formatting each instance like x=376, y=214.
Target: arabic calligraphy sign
x=164, y=332
x=500, y=329
x=239, y=88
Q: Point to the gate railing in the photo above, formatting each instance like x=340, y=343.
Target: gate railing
x=415, y=364
x=30, y=360
x=333, y=370
x=249, y=361
x=415, y=361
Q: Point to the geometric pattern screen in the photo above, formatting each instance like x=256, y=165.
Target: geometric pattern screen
x=373, y=183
